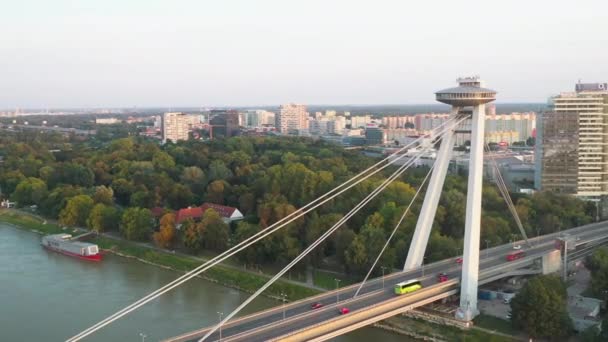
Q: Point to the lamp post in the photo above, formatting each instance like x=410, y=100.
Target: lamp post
x=423, y=259
x=337, y=290
x=283, y=297
x=220, y=314
x=487, y=248
x=143, y=337
x=538, y=236
x=383, y=268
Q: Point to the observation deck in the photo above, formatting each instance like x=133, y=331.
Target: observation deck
x=468, y=93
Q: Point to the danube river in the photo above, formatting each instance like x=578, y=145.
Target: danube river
x=48, y=296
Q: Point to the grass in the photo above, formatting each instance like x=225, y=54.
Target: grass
x=494, y=323
x=231, y=277
x=327, y=280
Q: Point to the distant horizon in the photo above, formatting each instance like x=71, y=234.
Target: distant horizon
x=261, y=106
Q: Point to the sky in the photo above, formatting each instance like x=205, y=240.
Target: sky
x=125, y=53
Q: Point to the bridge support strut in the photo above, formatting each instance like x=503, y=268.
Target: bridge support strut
x=415, y=254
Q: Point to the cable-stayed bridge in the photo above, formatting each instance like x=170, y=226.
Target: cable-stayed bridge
x=374, y=300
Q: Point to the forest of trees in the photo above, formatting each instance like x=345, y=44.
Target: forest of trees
x=111, y=185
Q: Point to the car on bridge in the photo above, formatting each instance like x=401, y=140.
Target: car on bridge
x=516, y=255
x=441, y=277
x=459, y=261
x=344, y=311
x=316, y=305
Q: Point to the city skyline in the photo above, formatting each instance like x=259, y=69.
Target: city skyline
x=235, y=53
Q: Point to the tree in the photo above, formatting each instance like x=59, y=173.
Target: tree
x=215, y=191
x=103, y=218
x=214, y=231
x=598, y=265
x=76, y=211
x=355, y=256
x=163, y=161
x=103, y=195
x=136, y=223
x=218, y=170
x=122, y=190
x=540, y=308
x=192, y=236
x=166, y=234
x=30, y=191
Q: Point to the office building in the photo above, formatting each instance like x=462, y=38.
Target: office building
x=291, y=118
x=572, y=143
x=224, y=123
x=374, y=135
x=175, y=127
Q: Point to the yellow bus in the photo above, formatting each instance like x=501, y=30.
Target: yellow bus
x=407, y=286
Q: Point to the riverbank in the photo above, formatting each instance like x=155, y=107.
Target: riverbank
x=226, y=276
x=234, y=278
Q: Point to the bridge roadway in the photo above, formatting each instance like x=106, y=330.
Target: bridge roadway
x=378, y=294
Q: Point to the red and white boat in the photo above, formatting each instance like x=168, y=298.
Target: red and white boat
x=65, y=244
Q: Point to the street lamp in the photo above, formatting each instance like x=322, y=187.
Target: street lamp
x=283, y=297
x=423, y=259
x=383, y=268
x=143, y=337
x=220, y=314
x=487, y=248
x=538, y=236
x=337, y=290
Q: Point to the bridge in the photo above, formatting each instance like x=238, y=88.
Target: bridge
x=374, y=300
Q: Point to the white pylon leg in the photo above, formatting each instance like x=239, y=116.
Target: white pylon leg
x=470, y=258
x=420, y=239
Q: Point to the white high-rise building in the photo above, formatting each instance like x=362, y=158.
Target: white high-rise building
x=572, y=143
x=175, y=126
x=360, y=121
x=337, y=125
x=291, y=117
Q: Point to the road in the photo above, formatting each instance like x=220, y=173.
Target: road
x=271, y=324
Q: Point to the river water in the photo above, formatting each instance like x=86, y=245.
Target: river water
x=48, y=296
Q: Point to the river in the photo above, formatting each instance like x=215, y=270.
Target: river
x=48, y=296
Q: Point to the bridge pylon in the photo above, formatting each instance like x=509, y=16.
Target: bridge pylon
x=468, y=94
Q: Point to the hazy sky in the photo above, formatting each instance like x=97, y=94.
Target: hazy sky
x=57, y=53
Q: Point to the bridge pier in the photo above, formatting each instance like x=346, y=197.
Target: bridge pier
x=472, y=229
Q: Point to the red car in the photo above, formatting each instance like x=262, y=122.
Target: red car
x=316, y=306
x=459, y=261
x=516, y=255
x=441, y=277
x=344, y=311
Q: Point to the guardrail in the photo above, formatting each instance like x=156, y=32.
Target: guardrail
x=396, y=305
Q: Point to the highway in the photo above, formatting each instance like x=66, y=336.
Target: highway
x=377, y=293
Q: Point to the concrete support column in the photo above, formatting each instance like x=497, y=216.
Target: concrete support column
x=470, y=263
x=426, y=217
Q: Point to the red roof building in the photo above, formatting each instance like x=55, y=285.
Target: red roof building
x=183, y=214
x=227, y=213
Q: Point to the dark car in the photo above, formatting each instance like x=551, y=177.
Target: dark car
x=316, y=305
